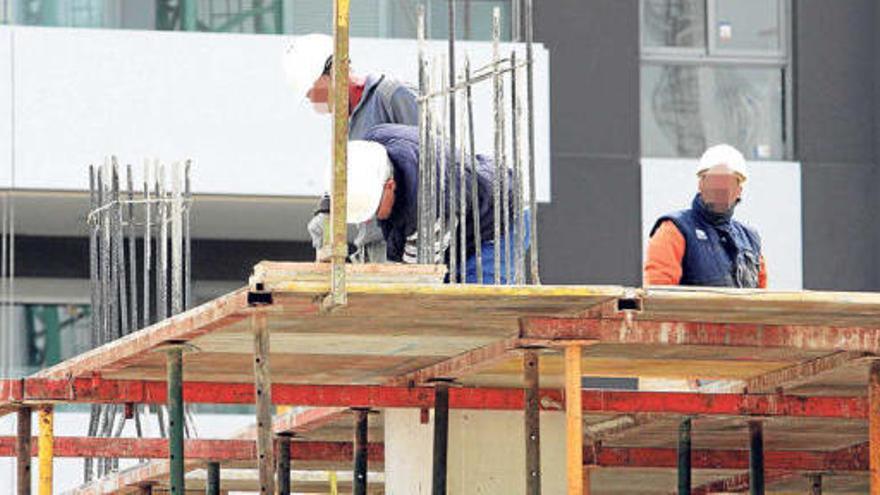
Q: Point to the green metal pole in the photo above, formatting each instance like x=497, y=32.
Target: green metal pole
x=684, y=457
x=175, y=419
x=212, y=487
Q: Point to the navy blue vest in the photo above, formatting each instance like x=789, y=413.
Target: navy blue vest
x=722, y=254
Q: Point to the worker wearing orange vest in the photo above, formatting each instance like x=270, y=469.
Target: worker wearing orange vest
x=704, y=245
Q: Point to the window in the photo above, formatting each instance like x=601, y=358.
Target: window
x=715, y=71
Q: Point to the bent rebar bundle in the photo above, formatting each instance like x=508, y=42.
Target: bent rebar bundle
x=156, y=216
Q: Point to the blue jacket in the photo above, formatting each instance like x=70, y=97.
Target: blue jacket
x=719, y=251
x=402, y=144
x=384, y=101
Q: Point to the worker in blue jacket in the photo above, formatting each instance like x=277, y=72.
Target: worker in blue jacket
x=373, y=99
x=387, y=185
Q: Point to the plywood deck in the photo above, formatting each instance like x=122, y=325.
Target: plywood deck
x=401, y=319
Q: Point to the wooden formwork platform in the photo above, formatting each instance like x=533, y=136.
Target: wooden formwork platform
x=403, y=327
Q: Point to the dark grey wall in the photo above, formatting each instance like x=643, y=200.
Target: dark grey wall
x=591, y=232
x=836, y=141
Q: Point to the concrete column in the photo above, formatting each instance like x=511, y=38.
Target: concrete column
x=486, y=452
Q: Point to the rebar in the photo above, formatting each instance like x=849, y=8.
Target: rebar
x=119, y=246
x=450, y=104
x=518, y=215
x=187, y=240
x=447, y=154
x=462, y=196
x=472, y=159
x=496, y=179
x=132, y=252
x=161, y=247
x=104, y=256
x=530, y=102
x=176, y=240
x=437, y=136
x=421, y=249
x=148, y=234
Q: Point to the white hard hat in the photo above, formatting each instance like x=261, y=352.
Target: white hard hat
x=368, y=170
x=726, y=156
x=304, y=59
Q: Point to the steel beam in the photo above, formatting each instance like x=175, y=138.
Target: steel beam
x=631, y=331
x=381, y=396
x=532, y=421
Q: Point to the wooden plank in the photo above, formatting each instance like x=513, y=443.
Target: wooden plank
x=574, y=420
x=276, y=275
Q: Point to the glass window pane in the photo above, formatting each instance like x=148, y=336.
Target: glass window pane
x=747, y=25
x=674, y=23
x=687, y=108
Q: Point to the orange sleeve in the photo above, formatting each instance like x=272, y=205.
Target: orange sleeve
x=665, y=252
x=762, y=275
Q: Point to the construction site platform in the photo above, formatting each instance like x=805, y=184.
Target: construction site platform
x=799, y=361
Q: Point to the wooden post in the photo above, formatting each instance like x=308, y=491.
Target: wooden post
x=531, y=382
x=263, y=387
x=874, y=426
x=339, y=82
x=46, y=444
x=756, y=458
x=574, y=421
x=23, y=450
x=359, y=481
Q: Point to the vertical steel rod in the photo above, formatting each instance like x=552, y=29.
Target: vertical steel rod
x=148, y=233
x=534, y=274
x=121, y=286
x=23, y=450
x=187, y=240
x=450, y=151
x=874, y=426
x=505, y=188
x=340, y=78
x=496, y=105
x=359, y=482
x=684, y=457
x=531, y=383
x=212, y=486
x=472, y=159
x=462, y=193
x=263, y=387
x=175, y=419
x=756, y=458
x=438, y=176
x=284, y=464
x=176, y=239
x=93, y=258
x=518, y=207
x=424, y=122
x=46, y=448
x=441, y=437
x=132, y=251
x=161, y=247
x=574, y=420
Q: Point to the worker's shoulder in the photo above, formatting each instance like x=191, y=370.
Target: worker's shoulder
x=675, y=218
x=389, y=87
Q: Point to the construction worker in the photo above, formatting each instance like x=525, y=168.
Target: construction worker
x=704, y=245
x=383, y=182
x=373, y=99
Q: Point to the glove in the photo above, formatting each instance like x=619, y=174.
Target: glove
x=316, y=229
